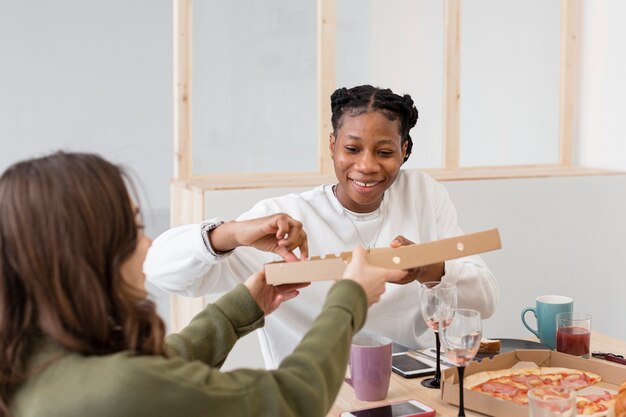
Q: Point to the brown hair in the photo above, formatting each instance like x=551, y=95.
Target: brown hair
x=67, y=225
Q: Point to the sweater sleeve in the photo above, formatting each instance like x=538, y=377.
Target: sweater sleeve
x=310, y=378
x=178, y=260
x=211, y=334
x=305, y=384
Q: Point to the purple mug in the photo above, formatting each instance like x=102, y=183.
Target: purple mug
x=370, y=367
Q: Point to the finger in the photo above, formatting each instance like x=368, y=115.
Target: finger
x=414, y=272
x=299, y=240
x=290, y=247
x=289, y=295
x=296, y=238
x=282, y=226
x=287, y=255
x=400, y=241
x=358, y=253
x=395, y=275
x=304, y=249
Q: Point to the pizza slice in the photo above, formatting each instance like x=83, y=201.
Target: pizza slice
x=508, y=384
x=594, y=405
x=514, y=384
x=571, y=378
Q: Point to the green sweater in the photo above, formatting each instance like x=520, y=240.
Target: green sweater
x=189, y=383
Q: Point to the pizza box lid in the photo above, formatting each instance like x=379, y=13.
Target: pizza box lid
x=331, y=267
x=612, y=375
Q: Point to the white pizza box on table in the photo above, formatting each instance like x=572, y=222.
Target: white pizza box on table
x=331, y=267
x=612, y=376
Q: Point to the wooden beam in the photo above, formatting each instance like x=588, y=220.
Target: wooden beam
x=326, y=77
x=187, y=206
x=452, y=84
x=202, y=185
x=570, y=44
x=182, y=88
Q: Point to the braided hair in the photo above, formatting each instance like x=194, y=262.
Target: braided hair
x=364, y=98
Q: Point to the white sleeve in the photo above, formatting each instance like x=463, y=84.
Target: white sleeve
x=476, y=285
x=179, y=261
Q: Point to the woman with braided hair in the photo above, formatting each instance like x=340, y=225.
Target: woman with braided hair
x=374, y=203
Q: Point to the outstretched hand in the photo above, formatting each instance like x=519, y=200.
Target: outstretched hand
x=270, y=297
x=277, y=233
x=424, y=273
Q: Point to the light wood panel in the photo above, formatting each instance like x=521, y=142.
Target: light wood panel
x=570, y=46
x=326, y=78
x=187, y=206
x=182, y=88
x=326, y=83
x=440, y=174
x=452, y=84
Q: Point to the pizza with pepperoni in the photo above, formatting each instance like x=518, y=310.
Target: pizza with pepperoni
x=513, y=385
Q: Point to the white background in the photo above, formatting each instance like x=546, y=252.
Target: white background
x=97, y=76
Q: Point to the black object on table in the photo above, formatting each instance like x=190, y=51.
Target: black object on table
x=509, y=345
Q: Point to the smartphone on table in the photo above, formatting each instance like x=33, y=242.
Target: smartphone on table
x=409, y=408
x=410, y=367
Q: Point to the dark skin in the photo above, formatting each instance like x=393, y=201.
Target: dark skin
x=424, y=273
x=367, y=153
x=277, y=233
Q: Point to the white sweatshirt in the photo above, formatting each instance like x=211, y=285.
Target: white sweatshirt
x=415, y=206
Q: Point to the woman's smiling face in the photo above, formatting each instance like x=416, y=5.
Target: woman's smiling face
x=367, y=156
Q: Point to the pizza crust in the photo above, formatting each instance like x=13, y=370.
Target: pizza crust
x=556, y=370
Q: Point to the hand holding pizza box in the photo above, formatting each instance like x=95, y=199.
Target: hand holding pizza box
x=331, y=266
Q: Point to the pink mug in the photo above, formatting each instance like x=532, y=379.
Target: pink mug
x=370, y=367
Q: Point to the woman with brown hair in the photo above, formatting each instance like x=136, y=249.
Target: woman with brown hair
x=79, y=338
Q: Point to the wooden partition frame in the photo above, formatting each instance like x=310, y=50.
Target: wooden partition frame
x=188, y=189
x=326, y=80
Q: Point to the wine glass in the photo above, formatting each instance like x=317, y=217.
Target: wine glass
x=437, y=302
x=461, y=340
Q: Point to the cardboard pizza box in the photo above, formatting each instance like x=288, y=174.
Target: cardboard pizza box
x=331, y=267
x=612, y=376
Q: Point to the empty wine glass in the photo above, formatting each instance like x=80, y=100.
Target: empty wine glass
x=461, y=340
x=437, y=302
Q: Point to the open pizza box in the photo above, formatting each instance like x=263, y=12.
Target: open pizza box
x=612, y=376
x=331, y=267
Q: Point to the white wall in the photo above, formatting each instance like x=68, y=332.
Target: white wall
x=89, y=75
x=559, y=236
x=603, y=87
x=96, y=76
x=92, y=76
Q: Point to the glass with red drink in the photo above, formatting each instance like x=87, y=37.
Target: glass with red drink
x=573, y=333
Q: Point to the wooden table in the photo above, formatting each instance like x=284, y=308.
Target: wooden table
x=404, y=389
